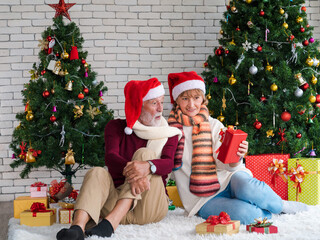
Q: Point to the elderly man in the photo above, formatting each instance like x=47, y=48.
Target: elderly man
x=139, y=153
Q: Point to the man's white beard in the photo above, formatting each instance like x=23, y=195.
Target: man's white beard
x=152, y=121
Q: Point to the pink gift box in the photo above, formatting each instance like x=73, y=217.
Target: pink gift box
x=38, y=190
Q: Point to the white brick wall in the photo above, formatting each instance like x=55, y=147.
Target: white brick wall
x=125, y=39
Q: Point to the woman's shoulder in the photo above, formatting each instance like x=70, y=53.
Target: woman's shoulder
x=215, y=122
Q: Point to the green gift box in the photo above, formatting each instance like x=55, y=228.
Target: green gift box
x=310, y=186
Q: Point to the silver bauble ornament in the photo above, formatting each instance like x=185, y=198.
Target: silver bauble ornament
x=253, y=70
x=298, y=92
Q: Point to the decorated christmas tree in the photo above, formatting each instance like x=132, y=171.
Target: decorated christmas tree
x=62, y=126
x=263, y=77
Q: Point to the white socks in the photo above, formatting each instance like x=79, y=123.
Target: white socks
x=293, y=207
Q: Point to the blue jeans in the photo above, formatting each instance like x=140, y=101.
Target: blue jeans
x=244, y=199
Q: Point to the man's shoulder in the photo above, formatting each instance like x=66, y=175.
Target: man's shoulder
x=116, y=123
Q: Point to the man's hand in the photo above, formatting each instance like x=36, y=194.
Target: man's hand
x=140, y=185
x=136, y=170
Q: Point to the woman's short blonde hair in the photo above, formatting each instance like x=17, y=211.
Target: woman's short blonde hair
x=193, y=93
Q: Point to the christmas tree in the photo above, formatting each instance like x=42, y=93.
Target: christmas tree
x=263, y=77
x=62, y=126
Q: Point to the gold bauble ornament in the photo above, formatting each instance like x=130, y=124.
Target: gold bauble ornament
x=208, y=96
x=86, y=65
x=221, y=32
x=69, y=159
x=248, y=1
x=285, y=25
x=232, y=80
x=274, y=87
x=69, y=86
x=53, y=91
x=299, y=19
x=314, y=80
x=65, y=55
x=309, y=61
x=221, y=118
x=29, y=157
x=269, y=68
x=281, y=11
x=29, y=116
x=312, y=99
x=234, y=9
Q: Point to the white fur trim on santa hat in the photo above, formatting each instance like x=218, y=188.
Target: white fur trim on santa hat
x=188, y=85
x=154, y=93
x=128, y=130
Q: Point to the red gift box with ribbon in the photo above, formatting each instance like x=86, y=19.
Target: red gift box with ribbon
x=38, y=215
x=271, y=169
x=221, y=224
x=230, y=145
x=38, y=189
x=262, y=226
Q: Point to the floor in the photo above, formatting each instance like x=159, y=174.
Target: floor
x=6, y=212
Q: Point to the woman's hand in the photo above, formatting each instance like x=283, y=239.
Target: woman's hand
x=243, y=149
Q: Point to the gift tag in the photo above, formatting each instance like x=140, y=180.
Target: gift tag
x=51, y=65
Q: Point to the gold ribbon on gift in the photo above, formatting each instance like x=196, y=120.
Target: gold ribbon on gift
x=297, y=176
x=276, y=169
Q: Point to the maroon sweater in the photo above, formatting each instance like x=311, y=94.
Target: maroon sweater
x=119, y=149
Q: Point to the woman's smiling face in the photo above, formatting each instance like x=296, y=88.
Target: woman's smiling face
x=190, y=102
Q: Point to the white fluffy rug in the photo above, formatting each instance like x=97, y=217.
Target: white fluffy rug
x=304, y=225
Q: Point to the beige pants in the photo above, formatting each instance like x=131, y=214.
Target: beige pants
x=98, y=196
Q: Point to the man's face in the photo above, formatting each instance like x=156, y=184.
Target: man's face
x=151, y=112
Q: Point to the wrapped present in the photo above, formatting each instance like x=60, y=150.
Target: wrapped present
x=304, y=184
x=38, y=215
x=56, y=207
x=23, y=203
x=38, y=189
x=66, y=215
x=221, y=224
x=271, y=169
x=262, y=226
x=59, y=190
x=230, y=145
x=174, y=196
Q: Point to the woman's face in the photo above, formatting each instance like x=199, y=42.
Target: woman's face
x=190, y=102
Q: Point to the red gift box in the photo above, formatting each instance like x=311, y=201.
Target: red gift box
x=230, y=145
x=267, y=230
x=259, y=165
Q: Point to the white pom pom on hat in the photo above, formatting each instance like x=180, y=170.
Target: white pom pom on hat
x=136, y=92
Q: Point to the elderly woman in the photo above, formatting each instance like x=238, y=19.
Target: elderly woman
x=206, y=185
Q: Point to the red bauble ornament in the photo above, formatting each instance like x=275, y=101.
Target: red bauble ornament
x=49, y=38
x=57, y=54
x=218, y=52
x=53, y=118
x=261, y=13
x=308, y=25
x=302, y=29
x=318, y=105
x=291, y=37
x=318, y=98
x=226, y=51
x=259, y=48
x=46, y=93
x=80, y=96
x=228, y=7
x=62, y=9
x=263, y=99
x=305, y=43
x=74, y=53
x=238, y=29
x=257, y=125
x=285, y=116
x=303, y=8
x=304, y=87
x=86, y=90
x=83, y=61
x=43, y=72
x=299, y=135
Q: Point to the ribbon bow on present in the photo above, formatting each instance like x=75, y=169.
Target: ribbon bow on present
x=277, y=168
x=38, y=185
x=261, y=223
x=297, y=175
x=223, y=218
x=38, y=207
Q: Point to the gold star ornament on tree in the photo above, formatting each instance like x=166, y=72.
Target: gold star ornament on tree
x=62, y=8
x=92, y=111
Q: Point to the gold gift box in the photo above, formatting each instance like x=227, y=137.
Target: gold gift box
x=66, y=215
x=23, y=203
x=174, y=196
x=40, y=219
x=230, y=228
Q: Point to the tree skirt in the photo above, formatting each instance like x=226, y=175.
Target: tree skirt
x=304, y=225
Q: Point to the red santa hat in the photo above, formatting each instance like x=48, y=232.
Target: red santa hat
x=180, y=82
x=136, y=92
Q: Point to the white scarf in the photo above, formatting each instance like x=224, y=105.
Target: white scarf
x=157, y=136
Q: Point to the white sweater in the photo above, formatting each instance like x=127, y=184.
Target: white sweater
x=191, y=202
